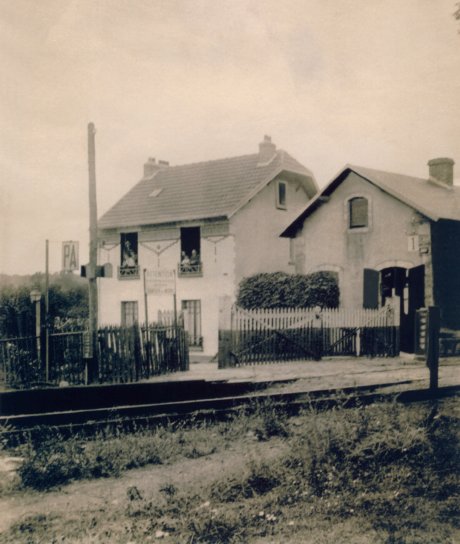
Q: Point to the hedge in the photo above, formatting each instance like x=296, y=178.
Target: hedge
x=281, y=290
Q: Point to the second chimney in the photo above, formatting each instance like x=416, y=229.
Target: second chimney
x=442, y=170
x=266, y=150
x=150, y=167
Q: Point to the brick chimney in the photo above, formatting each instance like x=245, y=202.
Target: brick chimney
x=152, y=166
x=266, y=150
x=442, y=170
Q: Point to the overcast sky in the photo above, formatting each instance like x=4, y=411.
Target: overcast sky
x=332, y=81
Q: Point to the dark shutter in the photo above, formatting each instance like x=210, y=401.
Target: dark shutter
x=358, y=212
x=371, y=288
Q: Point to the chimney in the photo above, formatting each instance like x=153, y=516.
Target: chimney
x=150, y=167
x=442, y=170
x=266, y=150
x=163, y=164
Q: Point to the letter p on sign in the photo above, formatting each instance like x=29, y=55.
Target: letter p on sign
x=70, y=256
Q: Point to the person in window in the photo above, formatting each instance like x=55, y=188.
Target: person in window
x=185, y=262
x=129, y=257
x=195, y=258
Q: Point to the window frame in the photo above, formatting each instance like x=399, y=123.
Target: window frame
x=124, y=305
x=347, y=213
x=281, y=183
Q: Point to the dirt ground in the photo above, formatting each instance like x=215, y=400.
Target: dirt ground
x=82, y=498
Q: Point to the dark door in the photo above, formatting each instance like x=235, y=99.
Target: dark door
x=416, y=285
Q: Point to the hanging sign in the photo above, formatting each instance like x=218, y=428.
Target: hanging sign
x=160, y=282
x=70, y=256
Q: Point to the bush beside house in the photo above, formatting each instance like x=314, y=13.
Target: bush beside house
x=281, y=290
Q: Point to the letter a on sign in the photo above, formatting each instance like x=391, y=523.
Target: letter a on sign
x=70, y=256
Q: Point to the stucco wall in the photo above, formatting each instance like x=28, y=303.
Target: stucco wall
x=257, y=226
x=328, y=244
x=217, y=256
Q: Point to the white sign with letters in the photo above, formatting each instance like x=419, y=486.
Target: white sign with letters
x=70, y=256
x=160, y=282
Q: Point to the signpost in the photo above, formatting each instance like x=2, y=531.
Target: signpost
x=160, y=282
x=70, y=256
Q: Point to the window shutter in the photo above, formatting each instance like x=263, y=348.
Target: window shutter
x=371, y=288
x=358, y=212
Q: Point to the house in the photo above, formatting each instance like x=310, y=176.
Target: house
x=209, y=224
x=385, y=235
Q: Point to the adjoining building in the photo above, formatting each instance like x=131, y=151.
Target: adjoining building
x=213, y=223
x=386, y=235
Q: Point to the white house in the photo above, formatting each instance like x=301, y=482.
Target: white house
x=385, y=235
x=212, y=223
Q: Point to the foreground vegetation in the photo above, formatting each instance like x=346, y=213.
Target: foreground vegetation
x=383, y=473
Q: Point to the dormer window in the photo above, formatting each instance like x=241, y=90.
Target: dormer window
x=281, y=195
x=358, y=212
x=155, y=192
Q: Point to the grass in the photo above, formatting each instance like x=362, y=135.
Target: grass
x=384, y=473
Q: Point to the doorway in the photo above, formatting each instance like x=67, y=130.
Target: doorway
x=409, y=286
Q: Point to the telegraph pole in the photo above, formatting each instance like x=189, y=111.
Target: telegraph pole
x=93, y=368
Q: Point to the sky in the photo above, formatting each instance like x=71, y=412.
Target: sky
x=332, y=82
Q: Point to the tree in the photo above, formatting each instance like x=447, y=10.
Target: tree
x=68, y=298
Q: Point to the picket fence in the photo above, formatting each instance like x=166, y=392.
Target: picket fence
x=267, y=335
x=125, y=354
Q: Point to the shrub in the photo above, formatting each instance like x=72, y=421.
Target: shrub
x=281, y=290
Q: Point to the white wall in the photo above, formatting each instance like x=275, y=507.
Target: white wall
x=328, y=244
x=217, y=281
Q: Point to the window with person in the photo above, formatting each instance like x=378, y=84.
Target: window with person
x=129, y=254
x=190, y=238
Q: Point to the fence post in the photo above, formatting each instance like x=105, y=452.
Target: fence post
x=432, y=346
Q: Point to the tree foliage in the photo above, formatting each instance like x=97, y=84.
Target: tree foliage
x=281, y=290
x=68, y=298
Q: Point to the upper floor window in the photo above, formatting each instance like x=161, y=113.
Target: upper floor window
x=129, y=262
x=358, y=212
x=281, y=195
x=190, y=247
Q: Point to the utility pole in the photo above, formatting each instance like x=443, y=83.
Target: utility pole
x=47, y=311
x=93, y=367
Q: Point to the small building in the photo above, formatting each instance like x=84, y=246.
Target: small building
x=209, y=224
x=386, y=235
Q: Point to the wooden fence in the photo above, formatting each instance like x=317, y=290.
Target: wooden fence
x=125, y=354
x=260, y=336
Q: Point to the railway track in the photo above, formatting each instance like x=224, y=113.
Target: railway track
x=17, y=428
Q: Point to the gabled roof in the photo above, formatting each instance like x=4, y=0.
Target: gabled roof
x=202, y=190
x=431, y=198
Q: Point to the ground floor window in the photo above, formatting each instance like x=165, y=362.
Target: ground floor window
x=129, y=313
x=191, y=310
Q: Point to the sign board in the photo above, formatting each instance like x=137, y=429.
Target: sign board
x=70, y=256
x=160, y=282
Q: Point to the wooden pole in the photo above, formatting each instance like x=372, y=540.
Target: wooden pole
x=432, y=347
x=47, y=312
x=92, y=279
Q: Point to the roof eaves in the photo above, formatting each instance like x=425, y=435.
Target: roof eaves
x=266, y=181
x=395, y=194
x=314, y=203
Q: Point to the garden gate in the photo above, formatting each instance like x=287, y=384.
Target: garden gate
x=276, y=335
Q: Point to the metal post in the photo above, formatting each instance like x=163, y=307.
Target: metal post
x=93, y=370
x=146, y=300
x=432, y=346
x=175, y=303
x=47, y=316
